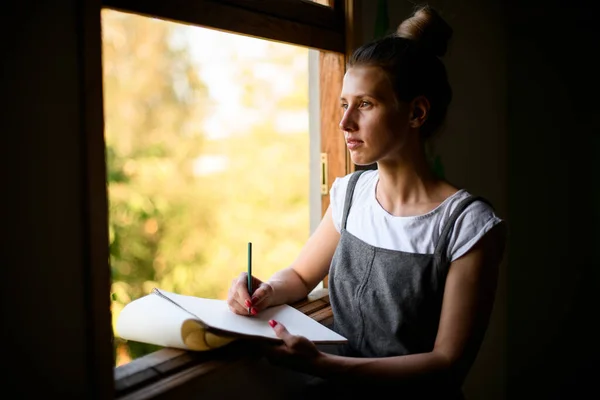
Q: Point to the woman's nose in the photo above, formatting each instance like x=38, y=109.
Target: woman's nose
x=347, y=123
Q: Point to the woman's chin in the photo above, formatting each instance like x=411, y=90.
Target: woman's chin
x=361, y=161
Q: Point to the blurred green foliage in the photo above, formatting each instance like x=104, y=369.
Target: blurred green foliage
x=173, y=222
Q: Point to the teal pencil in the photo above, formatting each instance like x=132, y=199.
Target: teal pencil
x=249, y=271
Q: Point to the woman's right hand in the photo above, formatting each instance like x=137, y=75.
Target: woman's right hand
x=239, y=300
x=292, y=283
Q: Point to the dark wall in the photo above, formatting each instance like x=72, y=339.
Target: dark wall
x=554, y=205
x=524, y=130
x=45, y=296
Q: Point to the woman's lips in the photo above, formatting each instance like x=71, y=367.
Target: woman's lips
x=353, y=143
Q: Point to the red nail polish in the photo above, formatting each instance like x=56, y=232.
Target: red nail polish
x=248, y=303
x=253, y=311
x=272, y=322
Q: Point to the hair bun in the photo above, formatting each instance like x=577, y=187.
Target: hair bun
x=428, y=28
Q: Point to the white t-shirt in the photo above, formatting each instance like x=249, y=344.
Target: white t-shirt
x=372, y=224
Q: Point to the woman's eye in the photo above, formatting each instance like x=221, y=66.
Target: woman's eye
x=364, y=104
x=345, y=106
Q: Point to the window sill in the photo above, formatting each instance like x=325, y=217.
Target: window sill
x=174, y=373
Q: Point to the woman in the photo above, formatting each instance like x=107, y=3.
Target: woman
x=412, y=260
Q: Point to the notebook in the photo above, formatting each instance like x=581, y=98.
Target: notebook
x=193, y=323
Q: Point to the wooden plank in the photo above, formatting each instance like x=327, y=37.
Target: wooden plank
x=196, y=365
x=176, y=363
x=328, y=3
x=313, y=302
x=324, y=316
x=178, y=381
x=332, y=69
x=131, y=382
x=305, y=12
x=148, y=361
x=313, y=307
x=150, y=368
x=232, y=19
x=165, y=362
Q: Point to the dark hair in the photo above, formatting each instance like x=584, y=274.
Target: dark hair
x=411, y=59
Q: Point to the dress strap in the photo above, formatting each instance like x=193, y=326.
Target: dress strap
x=349, y=192
x=441, y=249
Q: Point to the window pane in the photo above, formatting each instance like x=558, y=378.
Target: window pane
x=207, y=137
x=328, y=3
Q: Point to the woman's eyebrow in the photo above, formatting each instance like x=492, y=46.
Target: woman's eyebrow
x=361, y=95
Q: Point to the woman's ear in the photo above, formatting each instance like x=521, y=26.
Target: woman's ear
x=419, y=111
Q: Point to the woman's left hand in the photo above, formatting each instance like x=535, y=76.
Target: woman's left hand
x=296, y=352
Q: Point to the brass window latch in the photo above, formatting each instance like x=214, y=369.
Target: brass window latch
x=324, y=185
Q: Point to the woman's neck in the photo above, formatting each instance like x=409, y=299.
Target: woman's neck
x=405, y=190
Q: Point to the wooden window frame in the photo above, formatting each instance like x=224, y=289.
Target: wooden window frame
x=170, y=372
x=290, y=21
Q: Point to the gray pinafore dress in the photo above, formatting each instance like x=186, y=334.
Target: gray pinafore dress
x=387, y=302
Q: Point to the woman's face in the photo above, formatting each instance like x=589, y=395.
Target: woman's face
x=374, y=124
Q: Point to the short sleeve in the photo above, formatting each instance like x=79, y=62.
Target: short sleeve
x=475, y=221
x=337, y=194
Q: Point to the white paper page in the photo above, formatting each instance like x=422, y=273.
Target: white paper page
x=151, y=319
x=216, y=314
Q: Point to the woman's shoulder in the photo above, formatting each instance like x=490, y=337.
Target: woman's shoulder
x=467, y=204
x=366, y=178
x=361, y=194
x=471, y=217
x=365, y=175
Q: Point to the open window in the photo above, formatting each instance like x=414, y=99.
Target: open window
x=316, y=29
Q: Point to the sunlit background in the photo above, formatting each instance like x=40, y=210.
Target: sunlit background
x=207, y=142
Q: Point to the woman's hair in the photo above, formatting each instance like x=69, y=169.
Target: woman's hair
x=411, y=59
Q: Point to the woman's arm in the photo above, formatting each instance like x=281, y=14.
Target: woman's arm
x=310, y=267
x=467, y=305
x=294, y=282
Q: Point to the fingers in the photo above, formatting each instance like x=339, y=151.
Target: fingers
x=238, y=296
x=296, y=351
x=260, y=296
x=276, y=353
x=236, y=307
x=239, y=300
x=282, y=333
